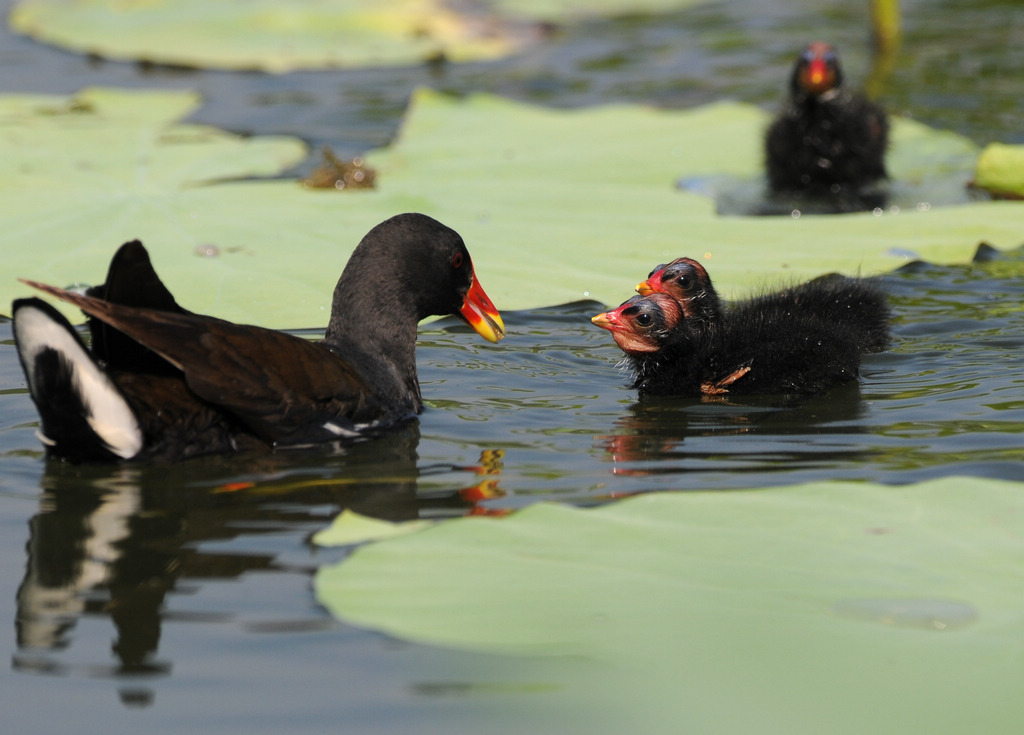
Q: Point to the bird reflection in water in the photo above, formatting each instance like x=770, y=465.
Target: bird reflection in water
x=670, y=436
x=125, y=541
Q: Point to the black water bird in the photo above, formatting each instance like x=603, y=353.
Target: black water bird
x=162, y=382
x=828, y=142
x=681, y=339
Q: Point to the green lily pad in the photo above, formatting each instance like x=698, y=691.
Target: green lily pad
x=555, y=205
x=563, y=11
x=83, y=174
x=832, y=607
x=586, y=199
x=1001, y=170
x=300, y=34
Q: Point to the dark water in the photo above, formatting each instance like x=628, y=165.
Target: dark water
x=184, y=591
x=175, y=597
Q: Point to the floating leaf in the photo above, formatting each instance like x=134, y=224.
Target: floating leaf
x=781, y=610
x=1001, y=170
x=264, y=34
x=81, y=175
x=555, y=205
x=561, y=11
x=303, y=34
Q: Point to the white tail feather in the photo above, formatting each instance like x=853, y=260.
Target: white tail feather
x=107, y=412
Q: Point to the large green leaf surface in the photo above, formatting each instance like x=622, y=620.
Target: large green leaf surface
x=831, y=607
x=302, y=34
x=555, y=205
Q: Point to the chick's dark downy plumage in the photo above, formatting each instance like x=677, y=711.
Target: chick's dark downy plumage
x=801, y=340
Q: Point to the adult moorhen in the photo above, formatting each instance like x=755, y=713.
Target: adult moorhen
x=162, y=382
x=680, y=340
x=827, y=142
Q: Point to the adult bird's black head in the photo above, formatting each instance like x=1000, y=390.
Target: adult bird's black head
x=413, y=266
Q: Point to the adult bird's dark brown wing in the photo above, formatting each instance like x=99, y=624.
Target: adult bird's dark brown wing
x=285, y=389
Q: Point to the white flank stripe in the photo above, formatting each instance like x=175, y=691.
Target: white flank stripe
x=338, y=430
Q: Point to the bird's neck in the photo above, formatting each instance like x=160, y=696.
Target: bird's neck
x=673, y=368
x=376, y=333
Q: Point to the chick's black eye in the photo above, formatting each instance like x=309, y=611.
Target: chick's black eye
x=644, y=320
x=686, y=278
x=457, y=261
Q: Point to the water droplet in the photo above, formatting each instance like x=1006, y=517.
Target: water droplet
x=894, y=209
x=207, y=250
x=923, y=206
x=877, y=211
x=795, y=214
x=586, y=293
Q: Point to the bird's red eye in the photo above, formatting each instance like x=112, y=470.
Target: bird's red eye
x=457, y=260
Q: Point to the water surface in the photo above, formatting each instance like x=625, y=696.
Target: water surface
x=186, y=588
x=175, y=597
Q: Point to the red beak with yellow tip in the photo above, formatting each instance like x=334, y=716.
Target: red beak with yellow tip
x=478, y=312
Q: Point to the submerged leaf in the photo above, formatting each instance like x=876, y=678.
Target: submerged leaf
x=794, y=605
x=352, y=528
